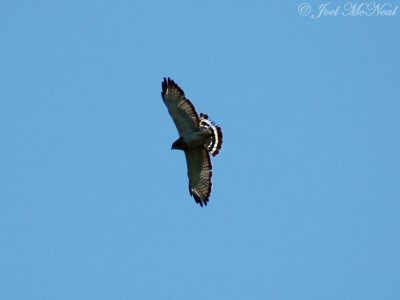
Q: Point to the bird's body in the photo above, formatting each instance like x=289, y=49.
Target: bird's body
x=198, y=136
x=193, y=139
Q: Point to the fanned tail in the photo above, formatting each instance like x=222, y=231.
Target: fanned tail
x=215, y=144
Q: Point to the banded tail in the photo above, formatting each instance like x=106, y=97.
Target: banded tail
x=215, y=144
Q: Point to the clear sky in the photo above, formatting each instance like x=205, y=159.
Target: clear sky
x=306, y=190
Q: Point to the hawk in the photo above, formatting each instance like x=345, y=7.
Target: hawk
x=198, y=138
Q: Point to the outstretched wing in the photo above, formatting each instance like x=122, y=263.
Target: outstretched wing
x=179, y=107
x=199, y=173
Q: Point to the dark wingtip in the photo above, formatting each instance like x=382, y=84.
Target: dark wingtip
x=169, y=83
x=202, y=202
x=164, y=85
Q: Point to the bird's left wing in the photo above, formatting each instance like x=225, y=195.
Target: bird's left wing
x=179, y=107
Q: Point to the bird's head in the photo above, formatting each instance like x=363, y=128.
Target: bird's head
x=178, y=145
x=174, y=145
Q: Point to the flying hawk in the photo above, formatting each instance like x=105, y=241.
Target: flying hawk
x=198, y=137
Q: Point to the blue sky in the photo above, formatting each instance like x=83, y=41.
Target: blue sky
x=94, y=205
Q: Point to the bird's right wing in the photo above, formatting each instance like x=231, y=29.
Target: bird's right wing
x=199, y=173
